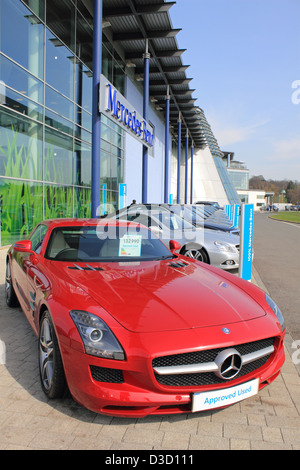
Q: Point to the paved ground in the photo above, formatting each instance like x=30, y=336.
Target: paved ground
x=277, y=259
x=270, y=420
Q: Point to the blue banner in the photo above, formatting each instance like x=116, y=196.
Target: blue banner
x=122, y=195
x=229, y=211
x=236, y=215
x=246, y=241
x=230, y=215
x=104, y=199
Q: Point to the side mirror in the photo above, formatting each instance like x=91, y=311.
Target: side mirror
x=174, y=246
x=24, y=246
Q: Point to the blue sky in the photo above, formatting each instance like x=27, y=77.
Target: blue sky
x=244, y=58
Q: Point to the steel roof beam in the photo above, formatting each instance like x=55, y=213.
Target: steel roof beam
x=138, y=35
x=159, y=54
x=155, y=69
x=148, y=9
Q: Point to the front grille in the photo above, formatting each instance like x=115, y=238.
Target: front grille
x=103, y=374
x=208, y=356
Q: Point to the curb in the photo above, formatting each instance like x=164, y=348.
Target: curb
x=289, y=341
x=282, y=220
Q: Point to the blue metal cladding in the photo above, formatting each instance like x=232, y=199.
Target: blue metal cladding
x=178, y=161
x=192, y=174
x=145, y=116
x=167, y=145
x=96, y=119
x=186, y=168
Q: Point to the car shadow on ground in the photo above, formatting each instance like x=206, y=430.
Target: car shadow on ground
x=20, y=358
x=19, y=348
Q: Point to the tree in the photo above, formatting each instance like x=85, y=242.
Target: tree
x=291, y=188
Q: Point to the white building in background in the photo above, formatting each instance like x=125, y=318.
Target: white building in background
x=257, y=197
x=239, y=176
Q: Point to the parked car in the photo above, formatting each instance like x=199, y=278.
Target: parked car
x=131, y=329
x=211, y=203
x=194, y=215
x=219, y=220
x=270, y=207
x=219, y=249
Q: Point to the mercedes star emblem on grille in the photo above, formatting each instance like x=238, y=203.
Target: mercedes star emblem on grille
x=229, y=363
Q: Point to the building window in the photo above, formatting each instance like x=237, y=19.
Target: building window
x=58, y=157
x=240, y=179
x=112, y=67
x=21, y=143
x=22, y=36
x=112, y=159
x=21, y=205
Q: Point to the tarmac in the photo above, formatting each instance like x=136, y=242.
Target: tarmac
x=29, y=421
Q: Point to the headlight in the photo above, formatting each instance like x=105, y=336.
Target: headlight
x=224, y=247
x=276, y=310
x=97, y=337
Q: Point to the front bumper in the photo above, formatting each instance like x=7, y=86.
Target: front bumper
x=224, y=259
x=129, y=388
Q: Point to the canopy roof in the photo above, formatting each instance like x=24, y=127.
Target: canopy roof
x=129, y=23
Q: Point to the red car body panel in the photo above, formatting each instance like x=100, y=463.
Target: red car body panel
x=158, y=288
x=154, y=309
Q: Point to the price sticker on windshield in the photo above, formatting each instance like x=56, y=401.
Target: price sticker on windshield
x=130, y=245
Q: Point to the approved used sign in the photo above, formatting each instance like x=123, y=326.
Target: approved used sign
x=209, y=400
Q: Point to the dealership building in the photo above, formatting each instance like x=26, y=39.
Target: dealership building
x=96, y=110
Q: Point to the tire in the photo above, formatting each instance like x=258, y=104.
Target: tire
x=10, y=295
x=197, y=253
x=50, y=363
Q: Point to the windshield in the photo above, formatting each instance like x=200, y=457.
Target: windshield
x=105, y=243
x=189, y=214
x=175, y=222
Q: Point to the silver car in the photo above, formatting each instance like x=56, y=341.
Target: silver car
x=219, y=249
x=193, y=214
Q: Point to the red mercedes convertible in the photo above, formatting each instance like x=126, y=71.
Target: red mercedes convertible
x=131, y=328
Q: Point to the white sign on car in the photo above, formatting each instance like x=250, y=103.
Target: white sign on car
x=224, y=397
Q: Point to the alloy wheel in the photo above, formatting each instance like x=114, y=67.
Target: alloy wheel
x=195, y=254
x=7, y=283
x=46, y=354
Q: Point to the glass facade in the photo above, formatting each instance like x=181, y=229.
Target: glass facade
x=45, y=115
x=230, y=191
x=240, y=179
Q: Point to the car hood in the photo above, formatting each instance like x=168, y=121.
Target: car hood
x=217, y=225
x=164, y=295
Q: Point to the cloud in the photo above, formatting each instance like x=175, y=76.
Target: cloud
x=228, y=132
x=229, y=135
x=285, y=151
